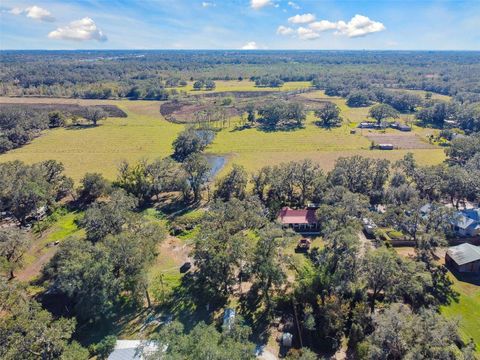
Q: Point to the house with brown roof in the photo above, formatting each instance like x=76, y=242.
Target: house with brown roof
x=301, y=220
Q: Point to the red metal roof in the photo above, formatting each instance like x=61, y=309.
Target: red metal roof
x=303, y=216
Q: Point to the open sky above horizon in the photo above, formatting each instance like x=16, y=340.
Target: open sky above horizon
x=240, y=24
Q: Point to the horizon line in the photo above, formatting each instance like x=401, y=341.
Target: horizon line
x=246, y=50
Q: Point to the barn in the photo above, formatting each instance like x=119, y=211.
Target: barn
x=464, y=258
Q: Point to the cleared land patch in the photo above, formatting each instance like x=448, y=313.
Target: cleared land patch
x=245, y=85
x=399, y=140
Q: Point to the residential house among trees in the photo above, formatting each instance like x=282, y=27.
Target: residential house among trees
x=464, y=258
x=301, y=220
x=467, y=223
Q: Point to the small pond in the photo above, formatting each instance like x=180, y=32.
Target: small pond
x=217, y=163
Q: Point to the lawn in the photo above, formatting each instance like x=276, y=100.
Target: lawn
x=467, y=309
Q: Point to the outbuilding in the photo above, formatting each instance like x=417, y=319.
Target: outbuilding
x=464, y=258
x=403, y=127
x=385, y=146
x=133, y=349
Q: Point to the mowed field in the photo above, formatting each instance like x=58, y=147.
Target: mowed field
x=245, y=85
x=467, y=310
x=145, y=134
x=254, y=148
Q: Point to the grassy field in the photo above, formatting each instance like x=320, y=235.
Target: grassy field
x=145, y=134
x=422, y=93
x=253, y=148
x=467, y=309
x=246, y=85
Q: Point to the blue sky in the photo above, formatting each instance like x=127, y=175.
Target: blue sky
x=237, y=24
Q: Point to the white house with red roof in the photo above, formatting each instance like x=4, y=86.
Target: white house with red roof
x=301, y=220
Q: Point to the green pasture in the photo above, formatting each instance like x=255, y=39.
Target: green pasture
x=145, y=134
x=245, y=85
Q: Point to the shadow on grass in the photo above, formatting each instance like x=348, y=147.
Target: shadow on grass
x=442, y=289
x=177, y=207
x=268, y=128
x=81, y=126
x=242, y=127
x=255, y=315
x=190, y=303
x=471, y=278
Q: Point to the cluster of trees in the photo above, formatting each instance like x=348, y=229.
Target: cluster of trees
x=96, y=274
x=204, y=84
x=25, y=189
x=338, y=290
x=281, y=114
x=19, y=126
x=267, y=81
x=204, y=342
x=29, y=332
x=191, y=141
x=342, y=290
x=399, y=100
x=78, y=74
x=463, y=116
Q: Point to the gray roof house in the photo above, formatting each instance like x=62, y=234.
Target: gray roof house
x=467, y=222
x=132, y=349
x=464, y=257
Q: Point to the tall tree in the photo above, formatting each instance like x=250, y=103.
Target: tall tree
x=108, y=217
x=269, y=263
x=329, y=115
x=14, y=244
x=95, y=114
x=233, y=185
x=197, y=170
x=383, y=111
x=401, y=334
x=27, y=332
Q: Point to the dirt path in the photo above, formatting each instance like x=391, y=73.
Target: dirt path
x=34, y=269
x=175, y=249
x=365, y=244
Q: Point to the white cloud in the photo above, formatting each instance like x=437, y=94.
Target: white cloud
x=34, y=12
x=258, y=4
x=307, y=34
x=251, y=45
x=207, y=4
x=301, y=19
x=16, y=11
x=323, y=25
x=359, y=25
x=284, y=30
x=293, y=5
x=79, y=30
